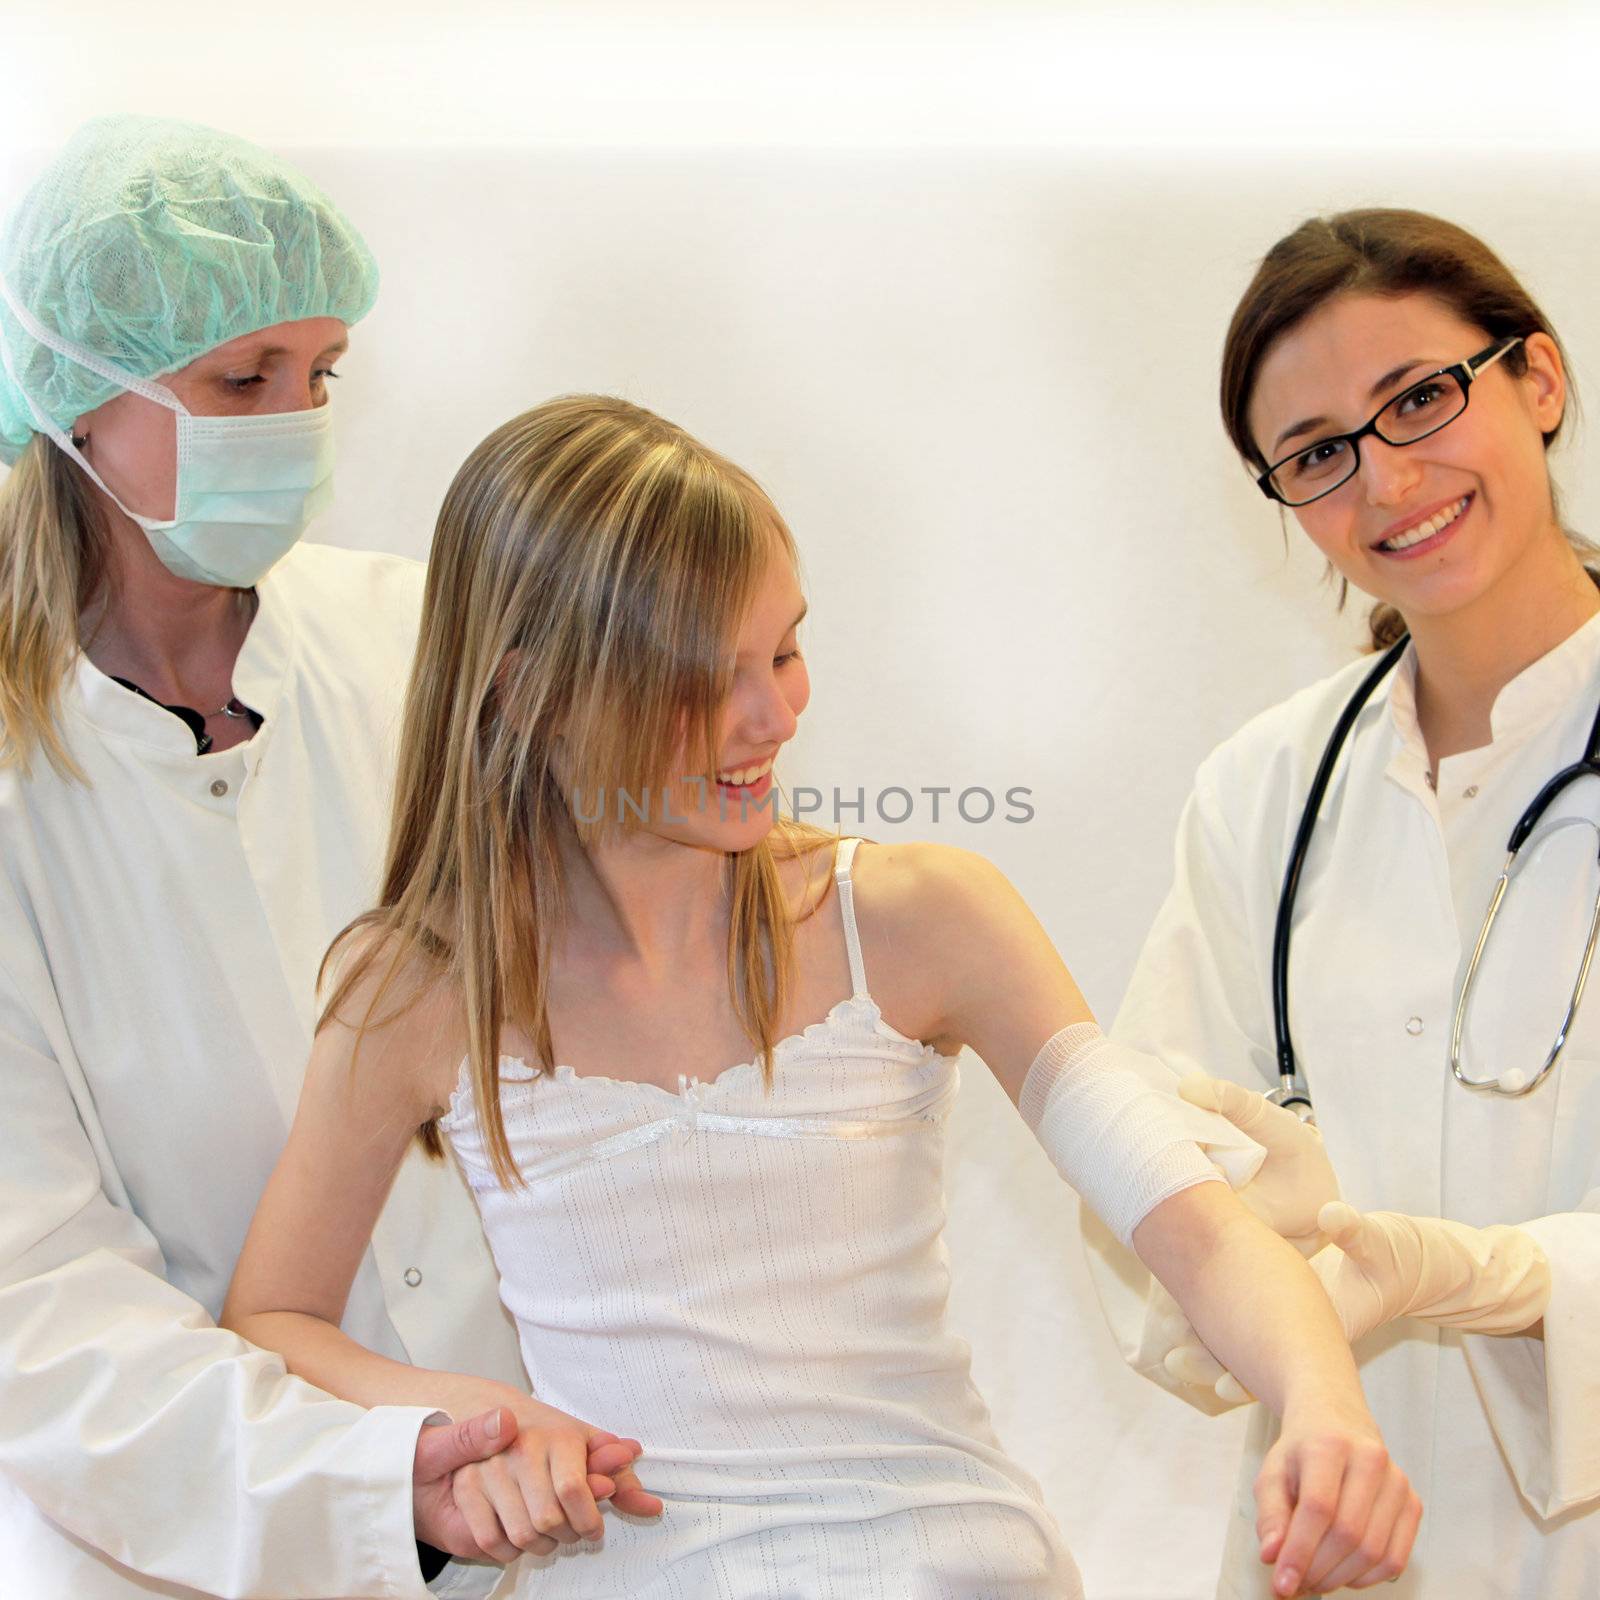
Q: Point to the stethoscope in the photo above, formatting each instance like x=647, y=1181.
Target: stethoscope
x=1293, y=1090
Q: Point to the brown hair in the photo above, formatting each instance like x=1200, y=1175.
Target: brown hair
x=590, y=564
x=1382, y=252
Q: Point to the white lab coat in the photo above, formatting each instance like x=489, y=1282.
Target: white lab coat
x=1500, y=1436
x=160, y=932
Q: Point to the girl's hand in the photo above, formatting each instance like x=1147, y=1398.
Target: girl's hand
x=1332, y=1509
x=545, y=1488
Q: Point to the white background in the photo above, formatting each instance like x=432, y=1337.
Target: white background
x=951, y=281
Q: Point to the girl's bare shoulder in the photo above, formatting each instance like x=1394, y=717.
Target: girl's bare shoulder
x=921, y=908
x=922, y=884
x=394, y=1009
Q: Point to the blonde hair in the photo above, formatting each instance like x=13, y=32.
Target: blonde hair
x=590, y=566
x=53, y=567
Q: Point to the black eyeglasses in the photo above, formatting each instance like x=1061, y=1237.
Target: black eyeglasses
x=1424, y=408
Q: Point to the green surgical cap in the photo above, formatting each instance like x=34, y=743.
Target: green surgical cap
x=149, y=242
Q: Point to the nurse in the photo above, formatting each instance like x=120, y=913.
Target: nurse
x=195, y=718
x=1390, y=380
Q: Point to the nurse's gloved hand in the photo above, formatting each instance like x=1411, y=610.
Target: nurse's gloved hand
x=1383, y=1265
x=1296, y=1180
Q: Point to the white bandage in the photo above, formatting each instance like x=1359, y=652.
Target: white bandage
x=1122, y=1145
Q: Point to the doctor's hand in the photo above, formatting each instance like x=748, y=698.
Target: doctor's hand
x=1382, y=1265
x=1332, y=1509
x=544, y=1489
x=1296, y=1180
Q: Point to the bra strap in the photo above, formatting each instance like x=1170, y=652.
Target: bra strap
x=847, y=909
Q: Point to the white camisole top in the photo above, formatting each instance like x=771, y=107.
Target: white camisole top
x=753, y=1285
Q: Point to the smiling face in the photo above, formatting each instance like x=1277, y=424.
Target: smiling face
x=132, y=439
x=768, y=689
x=1434, y=526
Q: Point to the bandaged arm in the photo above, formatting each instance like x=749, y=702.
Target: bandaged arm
x=1124, y=1146
x=1004, y=990
x=1126, y=1150
x=1129, y=1150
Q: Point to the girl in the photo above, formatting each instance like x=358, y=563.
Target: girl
x=1387, y=377
x=590, y=906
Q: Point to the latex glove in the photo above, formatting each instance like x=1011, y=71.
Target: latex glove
x=1192, y=1365
x=1296, y=1181
x=1383, y=1265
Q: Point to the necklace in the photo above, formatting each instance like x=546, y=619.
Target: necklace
x=250, y=602
x=196, y=719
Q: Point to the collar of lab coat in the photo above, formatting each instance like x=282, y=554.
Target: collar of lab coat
x=1543, y=688
x=259, y=678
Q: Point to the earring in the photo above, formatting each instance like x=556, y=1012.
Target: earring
x=79, y=440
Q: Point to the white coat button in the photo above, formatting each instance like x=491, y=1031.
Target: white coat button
x=1469, y=792
x=1414, y=1026
x=413, y=1277
x=219, y=787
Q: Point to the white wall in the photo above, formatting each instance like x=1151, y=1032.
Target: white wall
x=953, y=285
x=1367, y=75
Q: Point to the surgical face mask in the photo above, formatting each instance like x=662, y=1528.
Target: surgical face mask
x=246, y=486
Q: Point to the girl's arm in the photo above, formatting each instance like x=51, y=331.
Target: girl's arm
x=357, y=1116
x=358, y=1113
x=1332, y=1506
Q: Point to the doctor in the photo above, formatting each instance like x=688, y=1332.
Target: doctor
x=194, y=779
x=1388, y=378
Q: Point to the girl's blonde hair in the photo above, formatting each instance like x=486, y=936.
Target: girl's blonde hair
x=590, y=567
x=53, y=568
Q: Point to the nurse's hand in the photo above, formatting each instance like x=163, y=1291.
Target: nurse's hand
x=1296, y=1180
x=545, y=1488
x=1332, y=1509
x=441, y=1452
